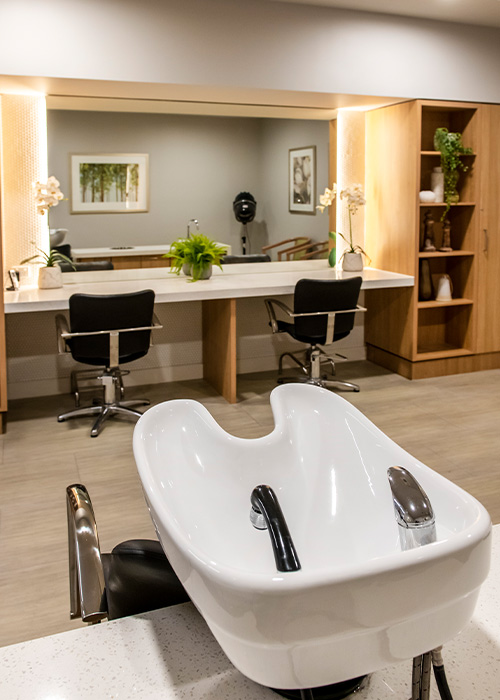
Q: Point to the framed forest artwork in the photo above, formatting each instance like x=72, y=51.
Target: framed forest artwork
x=109, y=183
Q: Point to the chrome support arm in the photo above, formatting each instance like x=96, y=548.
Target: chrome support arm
x=62, y=329
x=113, y=337
x=86, y=576
x=330, y=329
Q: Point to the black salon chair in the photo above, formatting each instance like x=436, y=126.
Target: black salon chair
x=252, y=258
x=90, y=266
x=106, y=330
x=85, y=266
x=323, y=313
x=134, y=578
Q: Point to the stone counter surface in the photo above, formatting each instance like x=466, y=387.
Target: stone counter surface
x=234, y=281
x=170, y=653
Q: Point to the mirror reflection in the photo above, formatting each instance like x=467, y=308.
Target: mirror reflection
x=196, y=168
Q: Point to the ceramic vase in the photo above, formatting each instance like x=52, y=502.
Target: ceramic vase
x=186, y=269
x=437, y=183
x=352, y=262
x=50, y=277
x=425, y=282
x=206, y=273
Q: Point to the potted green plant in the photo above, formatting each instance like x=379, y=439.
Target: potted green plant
x=351, y=258
x=49, y=275
x=177, y=256
x=199, y=253
x=450, y=145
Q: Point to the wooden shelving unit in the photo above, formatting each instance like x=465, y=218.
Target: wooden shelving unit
x=402, y=330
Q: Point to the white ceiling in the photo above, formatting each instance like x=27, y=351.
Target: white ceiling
x=483, y=12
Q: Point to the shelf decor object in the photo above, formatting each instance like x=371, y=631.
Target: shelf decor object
x=450, y=145
x=437, y=183
x=446, y=246
x=425, y=282
x=428, y=232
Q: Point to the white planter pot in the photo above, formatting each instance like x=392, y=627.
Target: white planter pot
x=352, y=262
x=50, y=277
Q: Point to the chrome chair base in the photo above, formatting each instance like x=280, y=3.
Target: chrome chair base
x=112, y=386
x=86, y=380
x=312, y=371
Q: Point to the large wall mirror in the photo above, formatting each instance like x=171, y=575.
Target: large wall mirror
x=197, y=165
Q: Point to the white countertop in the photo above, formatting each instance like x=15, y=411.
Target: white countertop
x=171, y=654
x=118, y=251
x=123, y=251
x=235, y=281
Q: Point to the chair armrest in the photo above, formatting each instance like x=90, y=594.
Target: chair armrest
x=330, y=328
x=86, y=573
x=62, y=329
x=272, y=314
x=156, y=326
x=113, y=337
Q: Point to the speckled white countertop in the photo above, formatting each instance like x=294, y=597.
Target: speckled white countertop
x=235, y=281
x=118, y=251
x=170, y=653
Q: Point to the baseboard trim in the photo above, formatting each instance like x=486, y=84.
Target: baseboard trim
x=432, y=368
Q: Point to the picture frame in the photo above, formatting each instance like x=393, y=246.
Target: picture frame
x=109, y=183
x=302, y=180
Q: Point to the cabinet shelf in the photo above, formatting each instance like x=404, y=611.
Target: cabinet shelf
x=440, y=352
x=443, y=204
x=442, y=304
x=438, y=153
x=449, y=254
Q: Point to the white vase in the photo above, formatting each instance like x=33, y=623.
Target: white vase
x=50, y=277
x=437, y=183
x=352, y=262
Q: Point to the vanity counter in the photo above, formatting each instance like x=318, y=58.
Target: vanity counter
x=234, y=281
x=171, y=654
x=118, y=251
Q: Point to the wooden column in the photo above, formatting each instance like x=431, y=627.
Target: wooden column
x=219, y=346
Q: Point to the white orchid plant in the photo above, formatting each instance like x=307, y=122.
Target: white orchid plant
x=355, y=198
x=47, y=195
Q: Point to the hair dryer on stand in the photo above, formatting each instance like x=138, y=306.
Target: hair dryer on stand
x=244, y=208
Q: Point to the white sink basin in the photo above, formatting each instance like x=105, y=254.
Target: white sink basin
x=359, y=602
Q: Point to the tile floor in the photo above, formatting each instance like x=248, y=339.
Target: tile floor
x=450, y=423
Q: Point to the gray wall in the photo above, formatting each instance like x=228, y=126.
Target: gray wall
x=197, y=166
x=238, y=44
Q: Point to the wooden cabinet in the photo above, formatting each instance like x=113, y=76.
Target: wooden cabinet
x=423, y=337
x=3, y=355
x=488, y=295
x=133, y=262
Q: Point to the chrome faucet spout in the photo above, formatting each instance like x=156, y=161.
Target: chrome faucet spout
x=266, y=513
x=192, y=221
x=413, y=509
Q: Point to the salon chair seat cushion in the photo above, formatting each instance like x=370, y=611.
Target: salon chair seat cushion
x=286, y=327
x=139, y=578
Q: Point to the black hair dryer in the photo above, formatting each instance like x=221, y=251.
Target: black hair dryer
x=244, y=208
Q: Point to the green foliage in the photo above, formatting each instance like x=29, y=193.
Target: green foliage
x=198, y=251
x=450, y=145
x=50, y=259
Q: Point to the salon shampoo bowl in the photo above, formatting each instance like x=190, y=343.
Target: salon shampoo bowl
x=359, y=602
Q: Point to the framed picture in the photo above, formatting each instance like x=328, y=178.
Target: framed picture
x=302, y=180
x=109, y=183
